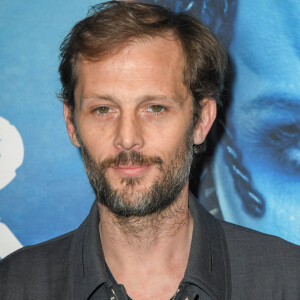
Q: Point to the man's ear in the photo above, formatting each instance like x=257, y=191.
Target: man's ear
x=206, y=119
x=70, y=125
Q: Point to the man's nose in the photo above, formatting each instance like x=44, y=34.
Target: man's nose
x=128, y=134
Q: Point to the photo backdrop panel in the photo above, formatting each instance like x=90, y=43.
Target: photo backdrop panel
x=253, y=178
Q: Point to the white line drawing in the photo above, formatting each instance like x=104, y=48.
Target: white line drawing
x=11, y=152
x=11, y=158
x=8, y=242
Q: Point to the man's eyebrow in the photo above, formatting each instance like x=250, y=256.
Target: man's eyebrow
x=96, y=96
x=280, y=101
x=100, y=97
x=160, y=98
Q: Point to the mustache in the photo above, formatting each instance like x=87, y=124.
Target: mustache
x=133, y=157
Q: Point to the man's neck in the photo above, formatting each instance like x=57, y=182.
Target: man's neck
x=150, y=252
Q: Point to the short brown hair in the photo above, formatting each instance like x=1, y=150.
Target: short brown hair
x=110, y=25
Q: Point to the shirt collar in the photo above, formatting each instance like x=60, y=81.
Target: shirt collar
x=87, y=264
x=208, y=264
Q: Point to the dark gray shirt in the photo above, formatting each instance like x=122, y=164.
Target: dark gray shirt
x=226, y=262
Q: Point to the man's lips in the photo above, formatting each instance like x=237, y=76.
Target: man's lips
x=131, y=169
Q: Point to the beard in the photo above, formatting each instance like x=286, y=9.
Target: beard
x=133, y=199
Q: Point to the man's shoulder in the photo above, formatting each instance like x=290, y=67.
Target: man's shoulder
x=55, y=247
x=43, y=252
x=262, y=262
x=33, y=264
x=244, y=239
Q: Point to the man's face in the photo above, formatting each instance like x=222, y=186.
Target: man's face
x=133, y=117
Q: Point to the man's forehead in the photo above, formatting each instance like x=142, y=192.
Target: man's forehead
x=158, y=61
x=139, y=53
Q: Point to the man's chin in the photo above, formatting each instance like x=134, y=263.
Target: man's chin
x=133, y=200
x=131, y=193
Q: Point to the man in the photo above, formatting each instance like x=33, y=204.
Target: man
x=140, y=85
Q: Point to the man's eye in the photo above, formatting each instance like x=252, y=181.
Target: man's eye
x=156, y=108
x=103, y=110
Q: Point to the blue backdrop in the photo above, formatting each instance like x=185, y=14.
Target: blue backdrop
x=253, y=179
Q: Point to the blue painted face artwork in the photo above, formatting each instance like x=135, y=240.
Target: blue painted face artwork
x=263, y=122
